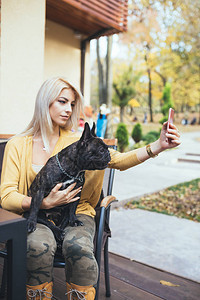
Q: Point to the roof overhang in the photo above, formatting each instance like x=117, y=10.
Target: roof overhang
x=89, y=17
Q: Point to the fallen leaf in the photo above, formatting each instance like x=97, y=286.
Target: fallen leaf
x=163, y=282
x=181, y=200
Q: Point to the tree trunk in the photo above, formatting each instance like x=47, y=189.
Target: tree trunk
x=199, y=97
x=121, y=114
x=150, y=95
x=164, y=80
x=109, y=85
x=101, y=77
x=109, y=70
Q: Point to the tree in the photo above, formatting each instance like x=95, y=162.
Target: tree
x=122, y=136
x=166, y=35
x=124, y=87
x=143, y=24
x=167, y=101
x=104, y=71
x=137, y=132
x=105, y=78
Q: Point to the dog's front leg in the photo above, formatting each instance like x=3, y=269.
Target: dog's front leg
x=34, y=209
x=58, y=232
x=69, y=216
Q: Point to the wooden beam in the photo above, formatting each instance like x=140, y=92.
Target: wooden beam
x=6, y=136
x=99, y=14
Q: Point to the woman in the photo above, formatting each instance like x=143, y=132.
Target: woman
x=57, y=111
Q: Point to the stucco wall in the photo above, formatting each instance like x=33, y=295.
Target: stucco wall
x=63, y=56
x=22, y=61
x=32, y=51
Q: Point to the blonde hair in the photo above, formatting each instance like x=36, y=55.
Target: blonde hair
x=41, y=121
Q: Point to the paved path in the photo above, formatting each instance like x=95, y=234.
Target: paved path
x=160, y=172
x=162, y=241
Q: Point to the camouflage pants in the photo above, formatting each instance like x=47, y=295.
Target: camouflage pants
x=81, y=266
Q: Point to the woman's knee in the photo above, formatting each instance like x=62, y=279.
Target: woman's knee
x=41, y=242
x=77, y=247
x=78, y=241
x=81, y=265
x=41, y=248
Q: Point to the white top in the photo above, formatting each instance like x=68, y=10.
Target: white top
x=37, y=168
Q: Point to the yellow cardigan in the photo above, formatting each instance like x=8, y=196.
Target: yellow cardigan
x=18, y=174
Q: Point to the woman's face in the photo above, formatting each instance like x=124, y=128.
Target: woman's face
x=61, y=109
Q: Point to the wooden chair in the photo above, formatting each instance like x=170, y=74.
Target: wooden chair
x=102, y=228
x=102, y=225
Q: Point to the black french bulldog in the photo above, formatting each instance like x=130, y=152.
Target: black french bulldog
x=68, y=166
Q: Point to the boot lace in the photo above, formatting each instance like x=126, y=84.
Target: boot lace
x=32, y=294
x=75, y=294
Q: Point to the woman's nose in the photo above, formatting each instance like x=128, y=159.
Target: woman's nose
x=68, y=107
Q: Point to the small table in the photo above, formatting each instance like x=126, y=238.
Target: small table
x=13, y=230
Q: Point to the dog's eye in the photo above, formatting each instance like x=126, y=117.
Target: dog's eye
x=101, y=150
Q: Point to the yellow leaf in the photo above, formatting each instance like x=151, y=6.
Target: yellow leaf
x=134, y=103
x=163, y=282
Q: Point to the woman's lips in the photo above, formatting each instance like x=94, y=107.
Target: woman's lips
x=65, y=117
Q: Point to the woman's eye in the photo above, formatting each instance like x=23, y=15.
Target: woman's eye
x=61, y=101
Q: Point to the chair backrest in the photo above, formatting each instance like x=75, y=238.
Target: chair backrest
x=109, y=173
x=106, y=191
x=108, y=176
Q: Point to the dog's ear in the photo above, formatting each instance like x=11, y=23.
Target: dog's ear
x=93, y=130
x=86, y=133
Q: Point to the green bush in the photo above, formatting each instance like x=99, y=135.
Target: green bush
x=164, y=119
x=122, y=136
x=137, y=132
x=167, y=100
x=155, y=133
x=149, y=138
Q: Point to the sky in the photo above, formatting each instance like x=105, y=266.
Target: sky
x=118, y=50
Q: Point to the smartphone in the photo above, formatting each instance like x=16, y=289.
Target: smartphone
x=170, y=118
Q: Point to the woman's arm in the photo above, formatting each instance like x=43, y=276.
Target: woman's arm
x=26, y=203
x=11, y=198
x=167, y=140
x=124, y=161
x=55, y=198
x=16, y=200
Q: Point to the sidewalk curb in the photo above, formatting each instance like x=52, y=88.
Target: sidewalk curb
x=121, y=203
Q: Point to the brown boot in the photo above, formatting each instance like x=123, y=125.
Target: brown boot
x=38, y=292
x=75, y=292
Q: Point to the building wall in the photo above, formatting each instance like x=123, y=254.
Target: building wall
x=33, y=49
x=63, y=56
x=22, y=61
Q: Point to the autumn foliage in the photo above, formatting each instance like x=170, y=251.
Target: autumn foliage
x=182, y=200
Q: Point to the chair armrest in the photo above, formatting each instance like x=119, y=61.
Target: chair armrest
x=106, y=202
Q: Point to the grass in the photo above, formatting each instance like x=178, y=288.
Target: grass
x=181, y=200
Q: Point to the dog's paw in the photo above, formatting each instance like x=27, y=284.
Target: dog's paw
x=59, y=234
x=62, y=235
x=31, y=225
x=75, y=223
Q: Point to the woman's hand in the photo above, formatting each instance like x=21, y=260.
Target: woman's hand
x=59, y=197
x=169, y=139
